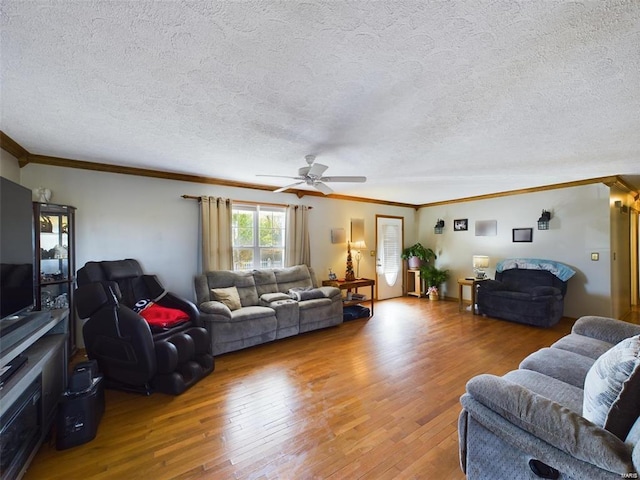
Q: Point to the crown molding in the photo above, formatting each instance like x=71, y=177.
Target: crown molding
x=24, y=158
x=609, y=181
x=9, y=145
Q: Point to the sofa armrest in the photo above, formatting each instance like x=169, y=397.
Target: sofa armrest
x=552, y=423
x=215, y=311
x=331, y=292
x=491, y=285
x=606, y=329
x=267, y=298
x=544, y=291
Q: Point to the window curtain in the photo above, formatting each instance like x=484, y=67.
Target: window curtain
x=297, y=249
x=217, y=246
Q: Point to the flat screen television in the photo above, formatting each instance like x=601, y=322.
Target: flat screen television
x=16, y=250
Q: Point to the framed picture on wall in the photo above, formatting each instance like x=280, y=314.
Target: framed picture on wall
x=461, y=225
x=522, y=234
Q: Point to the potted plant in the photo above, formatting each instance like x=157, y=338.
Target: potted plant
x=432, y=293
x=416, y=254
x=433, y=277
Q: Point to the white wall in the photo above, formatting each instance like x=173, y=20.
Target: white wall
x=122, y=216
x=579, y=227
x=9, y=167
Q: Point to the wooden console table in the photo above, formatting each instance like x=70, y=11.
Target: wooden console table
x=353, y=285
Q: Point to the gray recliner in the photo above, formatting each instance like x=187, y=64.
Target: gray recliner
x=530, y=423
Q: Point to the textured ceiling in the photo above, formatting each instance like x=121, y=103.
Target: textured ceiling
x=430, y=100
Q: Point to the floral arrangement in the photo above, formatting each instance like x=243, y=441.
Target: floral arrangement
x=433, y=290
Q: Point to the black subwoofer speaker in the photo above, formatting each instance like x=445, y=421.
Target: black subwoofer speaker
x=81, y=407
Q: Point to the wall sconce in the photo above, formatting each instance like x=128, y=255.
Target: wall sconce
x=439, y=226
x=543, y=221
x=358, y=247
x=480, y=262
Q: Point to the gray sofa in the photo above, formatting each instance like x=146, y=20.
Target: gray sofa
x=570, y=411
x=273, y=304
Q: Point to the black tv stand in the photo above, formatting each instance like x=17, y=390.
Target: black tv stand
x=11, y=368
x=45, y=368
x=19, y=328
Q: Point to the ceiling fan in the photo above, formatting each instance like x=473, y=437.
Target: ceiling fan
x=312, y=176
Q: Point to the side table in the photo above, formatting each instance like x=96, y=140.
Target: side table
x=353, y=285
x=470, y=282
x=414, y=283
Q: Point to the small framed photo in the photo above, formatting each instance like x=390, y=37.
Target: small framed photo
x=461, y=225
x=522, y=234
x=338, y=235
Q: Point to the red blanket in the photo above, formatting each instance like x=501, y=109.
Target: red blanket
x=159, y=316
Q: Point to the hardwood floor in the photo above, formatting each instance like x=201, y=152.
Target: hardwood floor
x=374, y=399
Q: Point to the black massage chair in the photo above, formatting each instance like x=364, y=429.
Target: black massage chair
x=167, y=351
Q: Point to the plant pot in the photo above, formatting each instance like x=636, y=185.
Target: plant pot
x=434, y=296
x=414, y=263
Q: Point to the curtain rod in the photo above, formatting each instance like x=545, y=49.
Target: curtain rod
x=192, y=197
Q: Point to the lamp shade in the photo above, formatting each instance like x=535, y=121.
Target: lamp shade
x=480, y=261
x=359, y=245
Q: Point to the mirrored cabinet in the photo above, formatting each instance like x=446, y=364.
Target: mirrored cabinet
x=55, y=261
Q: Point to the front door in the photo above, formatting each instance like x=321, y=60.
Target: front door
x=389, y=241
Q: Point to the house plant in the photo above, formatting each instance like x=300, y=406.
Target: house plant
x=416, y=254
x=434, y=278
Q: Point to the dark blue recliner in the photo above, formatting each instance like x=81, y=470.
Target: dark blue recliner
x=533, y=297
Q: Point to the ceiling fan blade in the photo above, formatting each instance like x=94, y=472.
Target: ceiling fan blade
x=344, y=179
x=281, y=176
x=323, y=188
x=286, y=187
x=316, y=170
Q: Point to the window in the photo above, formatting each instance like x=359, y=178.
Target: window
x=258, y=236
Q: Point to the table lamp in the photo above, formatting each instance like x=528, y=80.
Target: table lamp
x=480, y=263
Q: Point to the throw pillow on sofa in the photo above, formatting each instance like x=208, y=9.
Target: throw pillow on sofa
x=229, y=296
x=612, y=388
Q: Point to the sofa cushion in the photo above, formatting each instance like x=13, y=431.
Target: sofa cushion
x=563, y=365
x=553, y=389
x=243, y=281
x=587, y=346
x=290, y=277
x=605, y=329
x=265, y=281
x=229, y=296
x=252, y=313
x=612, y=388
